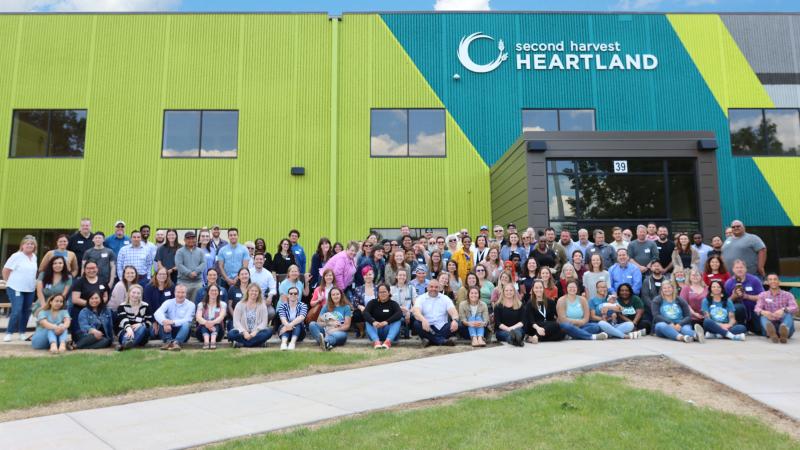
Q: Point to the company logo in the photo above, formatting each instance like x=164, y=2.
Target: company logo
x=469, y=64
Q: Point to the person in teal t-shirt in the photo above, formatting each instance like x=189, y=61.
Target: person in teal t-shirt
x=52, y=326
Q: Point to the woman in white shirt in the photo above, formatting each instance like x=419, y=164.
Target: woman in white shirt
x=19, y=273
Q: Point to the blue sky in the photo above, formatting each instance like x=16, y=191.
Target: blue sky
x=407, y=5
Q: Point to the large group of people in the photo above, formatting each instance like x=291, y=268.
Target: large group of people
x=94, y=291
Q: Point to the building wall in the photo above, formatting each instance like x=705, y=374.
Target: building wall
x=278, y=71
x=510, y=180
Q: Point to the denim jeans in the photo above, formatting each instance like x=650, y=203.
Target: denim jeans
x=713, y=327
x=179, y=334
x=299, y=331
x=140, y=336
x=203, y=331
x=258, y=340
x=389, y=332
x=437, y=336
x=787, y=320
x=665, y=330
x=475, y=331
x=505, y=336
x=334, y=338
x=618, y=330
x=42, y=339
x=584, y=332
x=20, y=310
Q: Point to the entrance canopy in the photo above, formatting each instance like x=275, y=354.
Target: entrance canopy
x=590, y=180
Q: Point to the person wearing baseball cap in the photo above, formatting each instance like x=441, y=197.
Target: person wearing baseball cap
x=420, y=281
x=118, y=239
x=484, y=230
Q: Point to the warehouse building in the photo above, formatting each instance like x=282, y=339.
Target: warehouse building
x=338, y=126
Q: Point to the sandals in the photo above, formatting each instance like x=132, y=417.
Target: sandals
x=206, y=346
x=212, y=346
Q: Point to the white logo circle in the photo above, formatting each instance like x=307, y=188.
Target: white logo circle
x=469, y=64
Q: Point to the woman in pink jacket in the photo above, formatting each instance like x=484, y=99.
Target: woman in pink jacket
x=343, y=265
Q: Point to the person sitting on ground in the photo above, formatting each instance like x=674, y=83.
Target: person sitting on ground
x=606, y=312
x=383, y=318
x=776, y=308
x=96, y=329
x=673, y=319
x=52, y=326
x=174, y=317
x=330, y=329
x=133, y=320
x=715, y=270
x=744, y=289
x=508, y=317
x=540, y=317
x=573, y=316
x=633, y=310
x=292, y=314
x=210, y=316
x=720, y=315
x=251, y=320
x=474, y=315
x=436, y=317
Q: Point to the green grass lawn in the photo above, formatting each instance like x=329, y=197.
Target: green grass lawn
x=594, y=411
x=34, y=381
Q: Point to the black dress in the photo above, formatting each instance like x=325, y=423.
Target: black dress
x=545, y=319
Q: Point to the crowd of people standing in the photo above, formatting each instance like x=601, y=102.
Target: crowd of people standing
x=95, y=291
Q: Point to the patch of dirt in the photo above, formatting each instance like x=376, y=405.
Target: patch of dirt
x=650, y=373
x=397, y=353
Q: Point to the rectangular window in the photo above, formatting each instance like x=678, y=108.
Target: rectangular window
x=558, y=120
x=45, y=240
x=765, y=132
x=52, y=133
x=783, y=249
x=416, y=233
x=200, y=134
x=407, y=133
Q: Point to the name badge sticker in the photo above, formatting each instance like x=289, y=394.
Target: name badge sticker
x=104, y=255
x=647, y=250
x=748, y=288
x=239, y=295
x=80, y=242
x=167, y=292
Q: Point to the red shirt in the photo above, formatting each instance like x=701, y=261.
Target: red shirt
x=723, y=277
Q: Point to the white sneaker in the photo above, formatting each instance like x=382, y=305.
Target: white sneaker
x=284, y=346
x=601, y=336
x=739, y=337
x=8, y=337
x=642, y=332
x=688, y=339
x=22, y=336
x=719, y=336
x=291, y=345
x=699, y=334
x=709, y=335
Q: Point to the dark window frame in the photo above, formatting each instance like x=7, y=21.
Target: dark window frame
x=47, y=155
x=199, y=134
x=41, y=246
x=558, y=115
x=776, y=250
x=665, y=173
x=764, y=148
x=412, y=230
x=408, y=132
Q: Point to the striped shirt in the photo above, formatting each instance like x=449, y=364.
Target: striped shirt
x=128, y=315
x=139, y=257
x=285, y=311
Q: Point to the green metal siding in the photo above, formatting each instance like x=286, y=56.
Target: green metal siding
x=126, y=70
x=451, y=192
x=509, y=183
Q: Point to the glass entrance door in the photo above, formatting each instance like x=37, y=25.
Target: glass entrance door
x=607, y=192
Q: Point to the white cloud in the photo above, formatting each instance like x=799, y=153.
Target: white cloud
x=87, y=5
x=536, y=128
x=172, y=153
x=384, y=145
x=461, y=5
x=636, y=5
x=428, y=145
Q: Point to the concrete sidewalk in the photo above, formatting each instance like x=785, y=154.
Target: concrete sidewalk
x=173, y=422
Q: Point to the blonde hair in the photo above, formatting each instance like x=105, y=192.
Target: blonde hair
x=564, y=269
x=260, y=297
x=28, y=238
x=128, y=293
x=516, y=304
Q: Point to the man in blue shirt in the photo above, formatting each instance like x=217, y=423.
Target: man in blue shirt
x=232, y=257
x=624, y=272
x=175, y=317
x=117, y=240
x=298, y=250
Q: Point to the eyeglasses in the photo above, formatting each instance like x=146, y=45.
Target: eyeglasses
x=293, y=293
x=251, y=248
x=451, y=240
x=736, y=226
x=479, y=270
x=395, y=244
x=367, y=245
x=498, y=231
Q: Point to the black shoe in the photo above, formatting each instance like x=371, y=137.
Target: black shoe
x=450, y=342
x=129, y=345
x=119, y=348
x=424, y=342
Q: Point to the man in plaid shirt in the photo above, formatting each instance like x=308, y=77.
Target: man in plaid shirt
x=137, y=255
x=776, y=308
